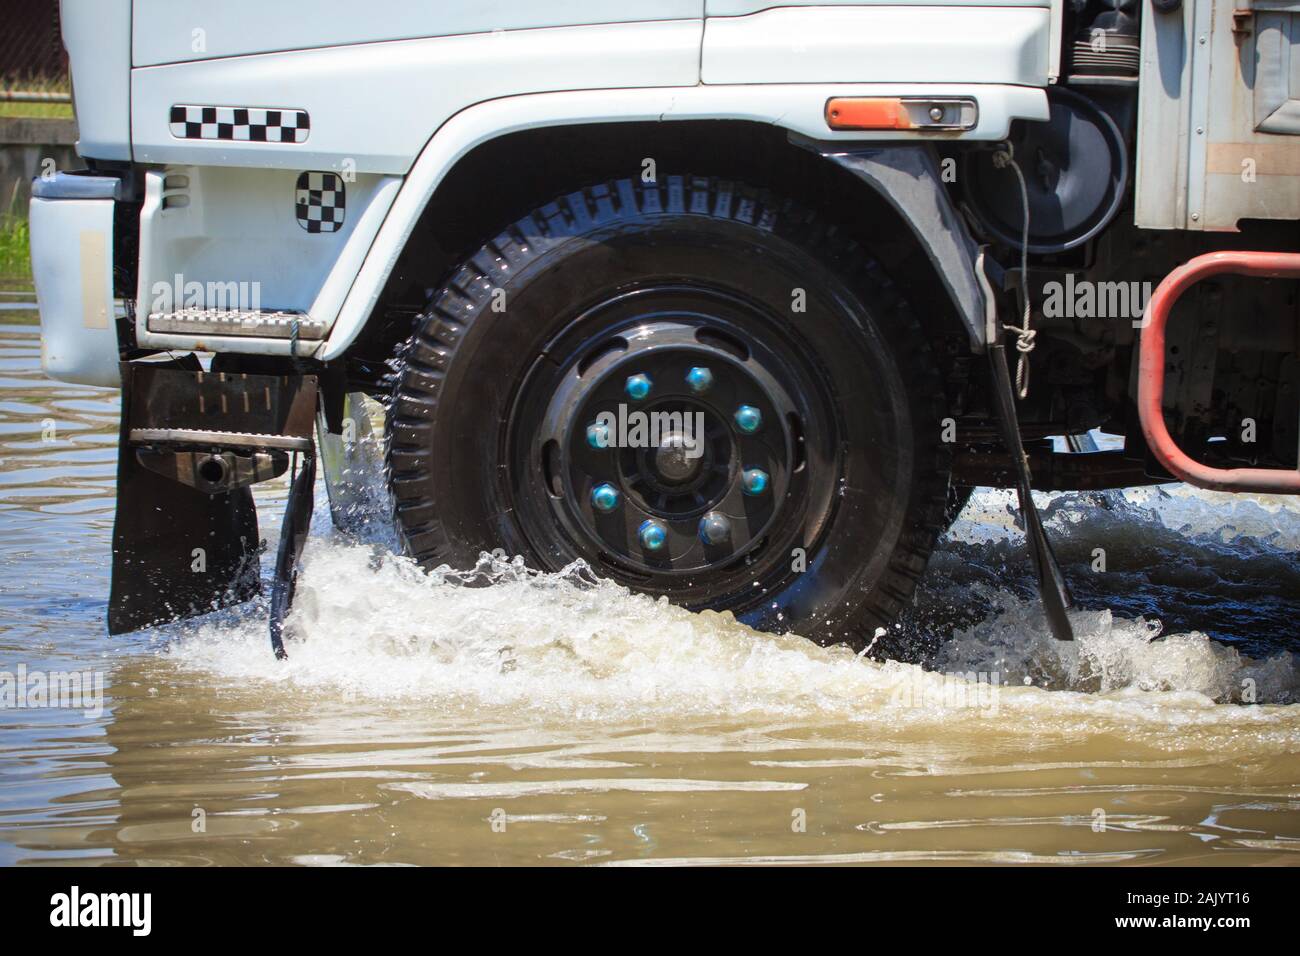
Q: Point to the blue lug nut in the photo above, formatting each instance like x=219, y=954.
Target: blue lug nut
x=700, y=379
x=754, y=481
x=715, y=528
x=748, y=419
x=604, y=497
x=637, y=386
x=653, y=535
x=598, y=435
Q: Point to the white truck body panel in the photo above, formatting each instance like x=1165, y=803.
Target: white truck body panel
x=213, y=242
x=377, y=104
x=890, y=44
x=397, y=91
x=740, y=8
x=97, y=36
x=799, y=109
x=174, y=31
x=348, y=294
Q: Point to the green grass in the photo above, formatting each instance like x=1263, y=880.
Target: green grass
x=15, y=240
x=37, y=110
x=15, y=249
x=37, y=84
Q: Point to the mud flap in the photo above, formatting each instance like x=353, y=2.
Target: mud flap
x=177, y=552
x=293, y=535
x=185, y=536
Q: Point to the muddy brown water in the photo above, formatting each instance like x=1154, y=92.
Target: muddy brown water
x=552, y=719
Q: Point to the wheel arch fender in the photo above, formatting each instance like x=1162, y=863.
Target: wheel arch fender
x=907, y=176
x=894, y=164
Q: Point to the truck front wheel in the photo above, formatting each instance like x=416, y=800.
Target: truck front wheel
x=698, y=389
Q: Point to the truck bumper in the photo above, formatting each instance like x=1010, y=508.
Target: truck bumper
x=71, y=217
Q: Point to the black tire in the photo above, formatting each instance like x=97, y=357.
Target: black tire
x=864, y=474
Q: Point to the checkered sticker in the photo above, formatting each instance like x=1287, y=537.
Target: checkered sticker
x=240, y=124
x=320, y=200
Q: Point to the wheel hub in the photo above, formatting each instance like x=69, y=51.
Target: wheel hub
x=675, y=440
x=673, y=460
x=672, y=453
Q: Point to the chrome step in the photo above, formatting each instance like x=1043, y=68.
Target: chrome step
x=215, y=439
x=248, y=323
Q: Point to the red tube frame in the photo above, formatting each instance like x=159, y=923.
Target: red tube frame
x=1151, y=372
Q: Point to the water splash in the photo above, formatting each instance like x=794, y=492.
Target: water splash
x=1111, y=654
x=502, y=637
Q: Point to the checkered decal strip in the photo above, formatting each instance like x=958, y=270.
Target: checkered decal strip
x=240, y=124
x=320, y=201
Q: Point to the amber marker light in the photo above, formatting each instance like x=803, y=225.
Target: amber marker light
x=867, y=112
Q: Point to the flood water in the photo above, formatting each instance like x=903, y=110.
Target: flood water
x=554, y=719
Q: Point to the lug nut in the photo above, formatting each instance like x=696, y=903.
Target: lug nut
x=754, y=481
x=715, y=528
x=653, y=535
x=748, y=419
x=637, y=386
x=604, y=497
x=598, y=435
x=700, y=379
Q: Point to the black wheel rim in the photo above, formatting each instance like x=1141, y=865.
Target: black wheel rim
x=680, y=440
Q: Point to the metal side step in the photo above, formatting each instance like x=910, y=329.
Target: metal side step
x=197, y=437
x=238, y=322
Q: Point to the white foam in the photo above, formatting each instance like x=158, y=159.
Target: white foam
x=372, y=626
x=1111, y=654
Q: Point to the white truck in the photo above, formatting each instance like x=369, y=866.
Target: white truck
x=713, y=295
